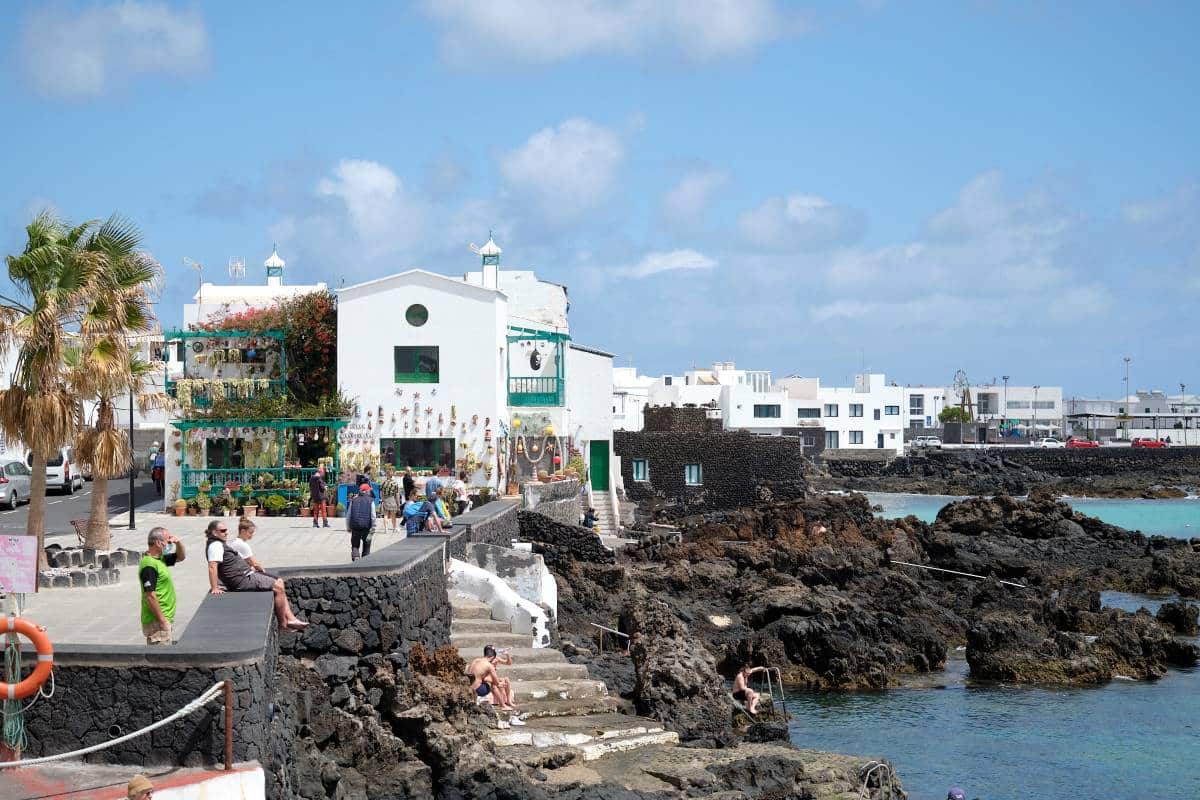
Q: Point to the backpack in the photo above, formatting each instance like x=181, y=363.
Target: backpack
x=361, y=518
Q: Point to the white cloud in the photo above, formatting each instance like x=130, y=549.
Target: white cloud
x=565, y=171
x=546, y=31
x=684, y=206
x=89, y=53
x=799, y=222
x=379, y=209
x=674, y=260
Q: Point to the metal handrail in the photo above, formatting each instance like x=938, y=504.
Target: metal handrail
x=782, y=705
x=603, y=630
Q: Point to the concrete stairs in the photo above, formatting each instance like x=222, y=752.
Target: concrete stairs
x=608, y=526
x=560, y=704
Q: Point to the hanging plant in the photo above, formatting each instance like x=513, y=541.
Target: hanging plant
x=234, y=355
x=218, y=356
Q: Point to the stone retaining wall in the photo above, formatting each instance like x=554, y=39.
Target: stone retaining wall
x=559, y=544
x=558, y=500
x=1060, y=463
x=739, y=469
x=102, y=692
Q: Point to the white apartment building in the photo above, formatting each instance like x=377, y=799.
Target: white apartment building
x=1029, y=411
x=866, y=416
x=476, y=373
x=631, y=393
x=1145, y=414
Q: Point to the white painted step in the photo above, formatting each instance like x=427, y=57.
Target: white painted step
x=541, y=671
x=473, y=643
x=620, y=744
x=574, y=730
x=535, y=655
x=463, y=610
x=478, y=626
x=571, y=689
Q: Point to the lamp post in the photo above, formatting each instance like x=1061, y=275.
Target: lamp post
x=1183, y=411
x=132, y=525
x=1004, y=418
x=1126, y=404
x=1035, y=393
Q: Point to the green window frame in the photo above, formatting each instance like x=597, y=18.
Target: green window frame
x=641, y=469
x=416, y=363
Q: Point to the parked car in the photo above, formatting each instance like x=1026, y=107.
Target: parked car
x=62, y=472
x=14, y=482
x=926, y=441
x=1148, y=442
x=1048, y=442
x=1087, y=443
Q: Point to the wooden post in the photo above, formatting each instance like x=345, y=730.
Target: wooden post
x=228, y=725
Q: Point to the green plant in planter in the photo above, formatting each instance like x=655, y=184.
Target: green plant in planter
x=485, y=495
x=203, y=502
x=274, y=504
x=341, y=509
x=205, y=486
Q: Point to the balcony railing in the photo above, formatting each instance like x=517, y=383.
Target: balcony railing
x=535, y=391
x=192, y=477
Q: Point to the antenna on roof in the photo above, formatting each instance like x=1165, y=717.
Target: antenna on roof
x=237, y=267
x=196, y=265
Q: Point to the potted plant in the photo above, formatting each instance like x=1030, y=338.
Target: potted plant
x=274, y=504
x=205, y=486
x=192, y=508
x=305, y=502
x=339, y=509
x=180, y=507
x=203, y=504
x=293, y=508
x=250, y=507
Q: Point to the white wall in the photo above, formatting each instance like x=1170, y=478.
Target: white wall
x=737, y=409
x=873, y=394
x=589, y=396
x=468, y=326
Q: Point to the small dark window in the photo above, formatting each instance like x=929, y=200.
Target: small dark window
x=417, y=315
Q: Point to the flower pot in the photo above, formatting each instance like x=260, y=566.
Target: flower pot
x=306, y=512
x=249, y=511
x=179, y=512
x=191, y=512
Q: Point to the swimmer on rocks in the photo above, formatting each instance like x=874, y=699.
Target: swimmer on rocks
x=742, y=691
x=487, y=683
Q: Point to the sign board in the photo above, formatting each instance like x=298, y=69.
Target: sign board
x=18, y=564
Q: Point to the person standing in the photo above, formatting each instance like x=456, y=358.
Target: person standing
x=316, y=490
x=360, y=521
x=409, y=482
x=163, y=550
x=158, y=466
x=389, y=493
x=461, y=498
x=432, y=484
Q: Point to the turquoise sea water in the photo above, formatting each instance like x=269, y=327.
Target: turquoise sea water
x=1123, y=741
x=1178, y=518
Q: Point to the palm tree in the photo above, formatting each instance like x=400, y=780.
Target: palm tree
x=87, y=289
x=103, y=367
x=52, y=277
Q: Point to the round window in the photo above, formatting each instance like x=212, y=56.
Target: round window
x=417, y=315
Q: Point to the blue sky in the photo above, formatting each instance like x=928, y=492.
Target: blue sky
x=1003, y=187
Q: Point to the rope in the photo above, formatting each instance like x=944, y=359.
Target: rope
x=964, y=574
x=884, y=774
x=14, y=721
x=187, y=710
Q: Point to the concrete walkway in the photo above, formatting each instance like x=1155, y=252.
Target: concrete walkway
x=111, y=614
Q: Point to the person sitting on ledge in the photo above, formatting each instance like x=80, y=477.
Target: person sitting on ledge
x=589, y=518
x=487, y=683
x=742, y=691
x=246, y=531
x=226, y=567
x=419, y=514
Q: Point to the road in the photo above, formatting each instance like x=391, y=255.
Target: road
x=61, y=509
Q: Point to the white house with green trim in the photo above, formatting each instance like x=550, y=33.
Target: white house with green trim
x=477, y=373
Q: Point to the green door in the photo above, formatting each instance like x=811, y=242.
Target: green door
x=598, y=473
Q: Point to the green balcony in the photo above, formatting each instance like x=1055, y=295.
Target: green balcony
x=526, y=392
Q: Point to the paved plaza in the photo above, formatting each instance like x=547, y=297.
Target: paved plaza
x=111, y=614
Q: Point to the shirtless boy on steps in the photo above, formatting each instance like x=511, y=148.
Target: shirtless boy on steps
x=487, y=683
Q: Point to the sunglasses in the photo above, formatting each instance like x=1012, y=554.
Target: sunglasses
x=222, y=530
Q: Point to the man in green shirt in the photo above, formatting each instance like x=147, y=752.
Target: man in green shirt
x=158, y=590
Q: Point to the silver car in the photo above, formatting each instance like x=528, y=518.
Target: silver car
x=14, y=482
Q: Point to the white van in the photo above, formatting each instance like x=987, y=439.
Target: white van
x=62, y=471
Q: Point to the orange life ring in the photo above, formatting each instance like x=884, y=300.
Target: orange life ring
x=45, y=658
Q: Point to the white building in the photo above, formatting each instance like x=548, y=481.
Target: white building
x=631, y=394
x=1029, y=411
x=477, y=373
x=224, y=299
x=1144, y=414
x=866, y=416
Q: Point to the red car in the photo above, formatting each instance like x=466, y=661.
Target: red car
x=1082, y=443
x=1148, y=443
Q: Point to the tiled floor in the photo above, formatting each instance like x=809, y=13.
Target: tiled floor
x=110, y=614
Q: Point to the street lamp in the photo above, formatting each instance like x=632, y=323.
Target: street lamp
x=1183, y=410
x=1127, y=414
x=1036, y=388
x=132, y=521
x=1005, y=416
